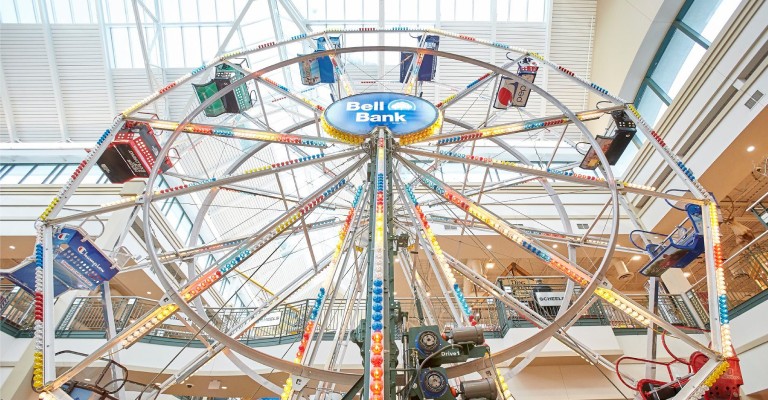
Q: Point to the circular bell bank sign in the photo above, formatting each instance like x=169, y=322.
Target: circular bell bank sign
x=401, y=114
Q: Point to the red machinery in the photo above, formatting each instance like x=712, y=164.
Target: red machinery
x=132, y=153
x=725, y=388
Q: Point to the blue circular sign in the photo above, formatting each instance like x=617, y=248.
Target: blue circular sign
x=400, y=113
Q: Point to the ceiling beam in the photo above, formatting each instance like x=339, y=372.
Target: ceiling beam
x=55, y=81
x=10, y=122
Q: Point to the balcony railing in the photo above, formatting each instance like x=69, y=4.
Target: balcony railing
x=746, y=274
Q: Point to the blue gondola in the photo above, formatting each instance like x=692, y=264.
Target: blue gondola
x=320, y=70
x=679, y=248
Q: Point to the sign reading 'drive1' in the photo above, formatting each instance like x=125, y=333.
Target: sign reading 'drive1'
x=401, y=114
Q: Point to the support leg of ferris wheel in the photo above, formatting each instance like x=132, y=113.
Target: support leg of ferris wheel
x=531, y=315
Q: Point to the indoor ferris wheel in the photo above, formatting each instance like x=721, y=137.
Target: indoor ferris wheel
x=357, y=178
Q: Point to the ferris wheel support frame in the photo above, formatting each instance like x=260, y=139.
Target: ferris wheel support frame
x=674, y=162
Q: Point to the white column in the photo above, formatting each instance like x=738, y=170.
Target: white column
x=675, y=281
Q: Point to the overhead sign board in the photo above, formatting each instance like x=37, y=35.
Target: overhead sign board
x=401, y=114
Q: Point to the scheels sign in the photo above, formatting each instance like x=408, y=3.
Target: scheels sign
x=401, y=114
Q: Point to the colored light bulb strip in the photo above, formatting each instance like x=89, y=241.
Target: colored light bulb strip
x=722, y=295
x=585, y=179
x=341, y=76
x=415, y=67
x=213, y=247
x=147, y=324
x=527, y=230
x=506, y=394
x=715, y=375
x=240, y=133
x=290, y=93
x=309, y=328
x=518, y=127
x=571, y=271
x=38, y=379
x=306, y=336
x=339, y=134
x=623, y=304
x=687, y=171
x=80, y=171
x=441, y=260
x=423, y=134
x=214, y=274
x=444, y=102
x=209, y=182
x=377, y=299
x=506, y=230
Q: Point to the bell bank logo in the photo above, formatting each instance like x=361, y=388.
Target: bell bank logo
x=400, y=113
x=396, y=111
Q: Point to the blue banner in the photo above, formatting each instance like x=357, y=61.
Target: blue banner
x=77, y=264
x=401, y=114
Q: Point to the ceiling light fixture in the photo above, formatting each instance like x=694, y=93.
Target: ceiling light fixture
x=488, y=247
x=224, y=388
x=490, y=265
x=750, y=149
x=149, y=292
x=687, y=274
x=635, y=258
x=12, y=247
x=554, y=246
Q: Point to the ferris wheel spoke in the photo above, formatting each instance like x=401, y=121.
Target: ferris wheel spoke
x=471, y=87
x=571, y=270
x=548, y=173
x=213, y=274
x=542, y=234
x=417, y=289
x=442, y=272
x=282, y=89
x=241, y=133
x=265, y=235
x=270, y=304
x=412, y=75
x=221, y=245
x=205, y=184
x=515, y=127
x=526, y=312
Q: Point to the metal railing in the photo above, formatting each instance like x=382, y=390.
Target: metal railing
x=746, y=275
x=17, y=312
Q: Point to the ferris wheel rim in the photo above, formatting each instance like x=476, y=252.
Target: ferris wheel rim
x=612, y=185
x=287, y=365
